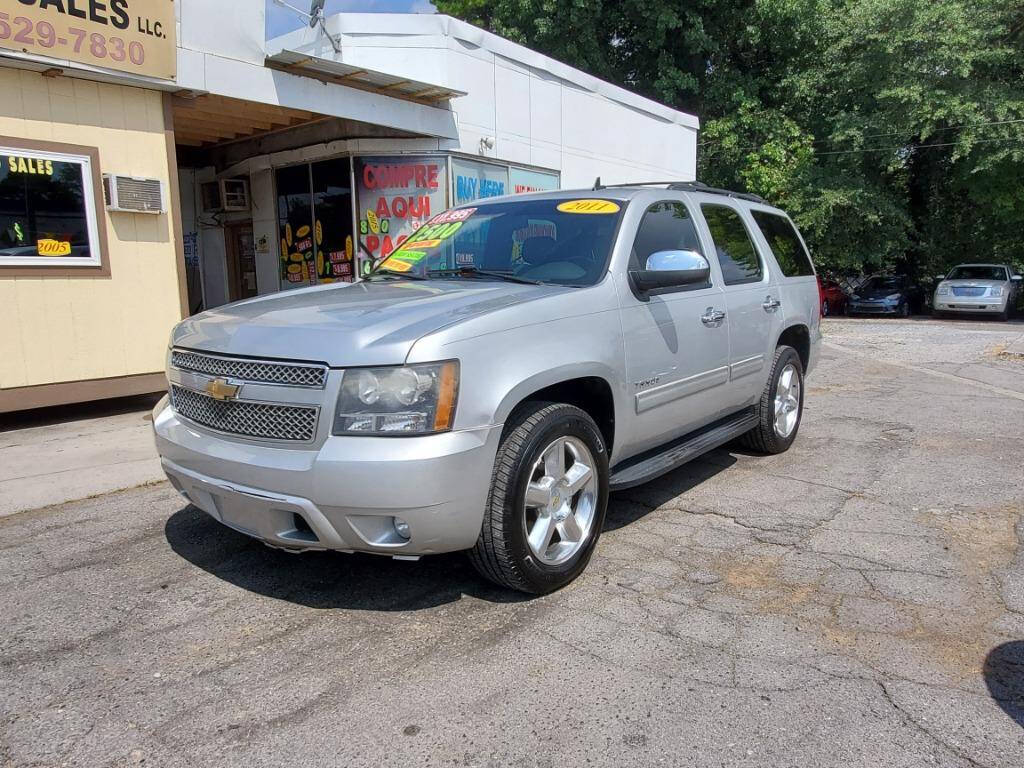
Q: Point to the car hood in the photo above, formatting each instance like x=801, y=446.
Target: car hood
x=880, y=293
x=367, y=323
x=975, y=283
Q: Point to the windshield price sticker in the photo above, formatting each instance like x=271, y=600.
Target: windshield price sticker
x=456, y=214
x=396, y=265
x=588, y=206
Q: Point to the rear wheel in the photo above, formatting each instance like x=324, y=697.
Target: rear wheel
x=824, y=308
x=781, y=406
x=549, y=494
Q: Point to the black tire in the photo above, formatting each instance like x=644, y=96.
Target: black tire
x=763, y=437
x=502, y=553
x=1005, y=314
x=824, y=308
x=905, y=309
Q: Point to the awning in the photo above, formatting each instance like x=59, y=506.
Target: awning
x=338, y=73
x=206, y=119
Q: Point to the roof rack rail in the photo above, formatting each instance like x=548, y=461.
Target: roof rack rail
x=699, y=186
x=684, y=186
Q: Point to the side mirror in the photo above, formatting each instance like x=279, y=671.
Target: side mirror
x=940, y=278
x=671, y=269
x=1016, y=278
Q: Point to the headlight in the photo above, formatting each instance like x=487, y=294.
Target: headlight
x=398, y=400
x=893, y=297
x=943, y=289
x=995, y=290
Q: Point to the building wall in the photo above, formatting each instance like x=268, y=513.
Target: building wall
x=65, y=329
x=536, y=110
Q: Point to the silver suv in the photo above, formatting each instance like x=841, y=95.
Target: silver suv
x=493, y=379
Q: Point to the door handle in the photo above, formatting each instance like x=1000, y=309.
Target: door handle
x=712, y=316
x=770, y=304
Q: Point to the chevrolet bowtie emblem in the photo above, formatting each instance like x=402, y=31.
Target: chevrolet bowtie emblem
x=220, y=389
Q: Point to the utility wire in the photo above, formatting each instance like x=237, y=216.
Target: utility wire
x=1019, y=139
x=894, y=133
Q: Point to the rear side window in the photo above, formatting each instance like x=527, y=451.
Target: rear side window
x=736, y=252
x=666, y=226
x=785, y=243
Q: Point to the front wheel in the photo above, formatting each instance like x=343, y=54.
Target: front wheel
x=781, y=406
x=824, y=308
x=548, y=498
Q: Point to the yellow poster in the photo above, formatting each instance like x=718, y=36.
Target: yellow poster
x=136, y=36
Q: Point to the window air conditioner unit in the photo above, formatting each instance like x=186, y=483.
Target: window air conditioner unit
x=225, y=195
x=133, y=194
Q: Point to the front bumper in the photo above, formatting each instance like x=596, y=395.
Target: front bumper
x=343, y=495
x=969, y=304
x=873, y=308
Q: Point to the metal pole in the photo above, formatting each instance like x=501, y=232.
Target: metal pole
x=356, y=275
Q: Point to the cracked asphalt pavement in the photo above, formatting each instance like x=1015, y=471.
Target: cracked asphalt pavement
x=858, y=601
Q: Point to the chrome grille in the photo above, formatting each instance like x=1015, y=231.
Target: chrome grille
x=262, y=371
x=968, y=290
x=267, y=421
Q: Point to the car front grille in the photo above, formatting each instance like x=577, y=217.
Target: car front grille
x=259, y=371
x=968, y=290
x=266, y=421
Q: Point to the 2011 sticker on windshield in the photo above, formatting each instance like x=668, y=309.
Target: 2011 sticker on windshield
x=588, y=206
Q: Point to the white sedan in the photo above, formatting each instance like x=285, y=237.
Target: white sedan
x=977, y=289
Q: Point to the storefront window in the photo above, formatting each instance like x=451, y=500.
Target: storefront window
x=332, y=207
x=47, y=210
x=295, y=217
x=314, y=204
x=522, y=180
x=475, y=181
x=396, y=196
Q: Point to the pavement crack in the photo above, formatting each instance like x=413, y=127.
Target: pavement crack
x=907, y=718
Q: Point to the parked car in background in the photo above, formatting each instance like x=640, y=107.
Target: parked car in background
x=990, y=289
x=833, y=297
x=885, y=295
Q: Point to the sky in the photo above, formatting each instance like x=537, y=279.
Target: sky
x=281, y=20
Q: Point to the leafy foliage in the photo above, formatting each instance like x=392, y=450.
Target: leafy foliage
x=892, y=130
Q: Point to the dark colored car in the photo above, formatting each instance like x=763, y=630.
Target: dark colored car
x=885, y=295
x=833, y=297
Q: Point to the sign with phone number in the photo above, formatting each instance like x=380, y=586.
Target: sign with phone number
x=136, y=36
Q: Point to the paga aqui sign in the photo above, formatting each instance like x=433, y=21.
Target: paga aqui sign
x=136, y=36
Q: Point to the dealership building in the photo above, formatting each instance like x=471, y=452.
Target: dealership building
x=162, y=157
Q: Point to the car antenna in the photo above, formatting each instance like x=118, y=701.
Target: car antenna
x=598, y=184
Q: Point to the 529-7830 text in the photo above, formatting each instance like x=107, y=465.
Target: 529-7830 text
x=42, y=33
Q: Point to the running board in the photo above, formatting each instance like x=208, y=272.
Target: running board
x=658, y=461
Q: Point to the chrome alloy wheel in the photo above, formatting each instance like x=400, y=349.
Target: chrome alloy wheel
x=561, y=499
x=787, y=401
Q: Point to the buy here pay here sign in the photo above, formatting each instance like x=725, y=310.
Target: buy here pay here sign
x=134, y=36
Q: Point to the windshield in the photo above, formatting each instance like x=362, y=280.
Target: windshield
x=977, y=273
x=883, y=284
x=566, y=242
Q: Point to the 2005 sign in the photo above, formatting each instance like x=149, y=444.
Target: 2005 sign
x=42, y=33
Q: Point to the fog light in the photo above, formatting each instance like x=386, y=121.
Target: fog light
x=402, y=528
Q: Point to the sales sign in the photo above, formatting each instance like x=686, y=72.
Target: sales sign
x=136, y=36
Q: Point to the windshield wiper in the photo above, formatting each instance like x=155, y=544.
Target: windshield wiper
x=394, y=273
x=474, y=272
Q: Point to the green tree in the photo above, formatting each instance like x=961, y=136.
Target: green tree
x=892, y=130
